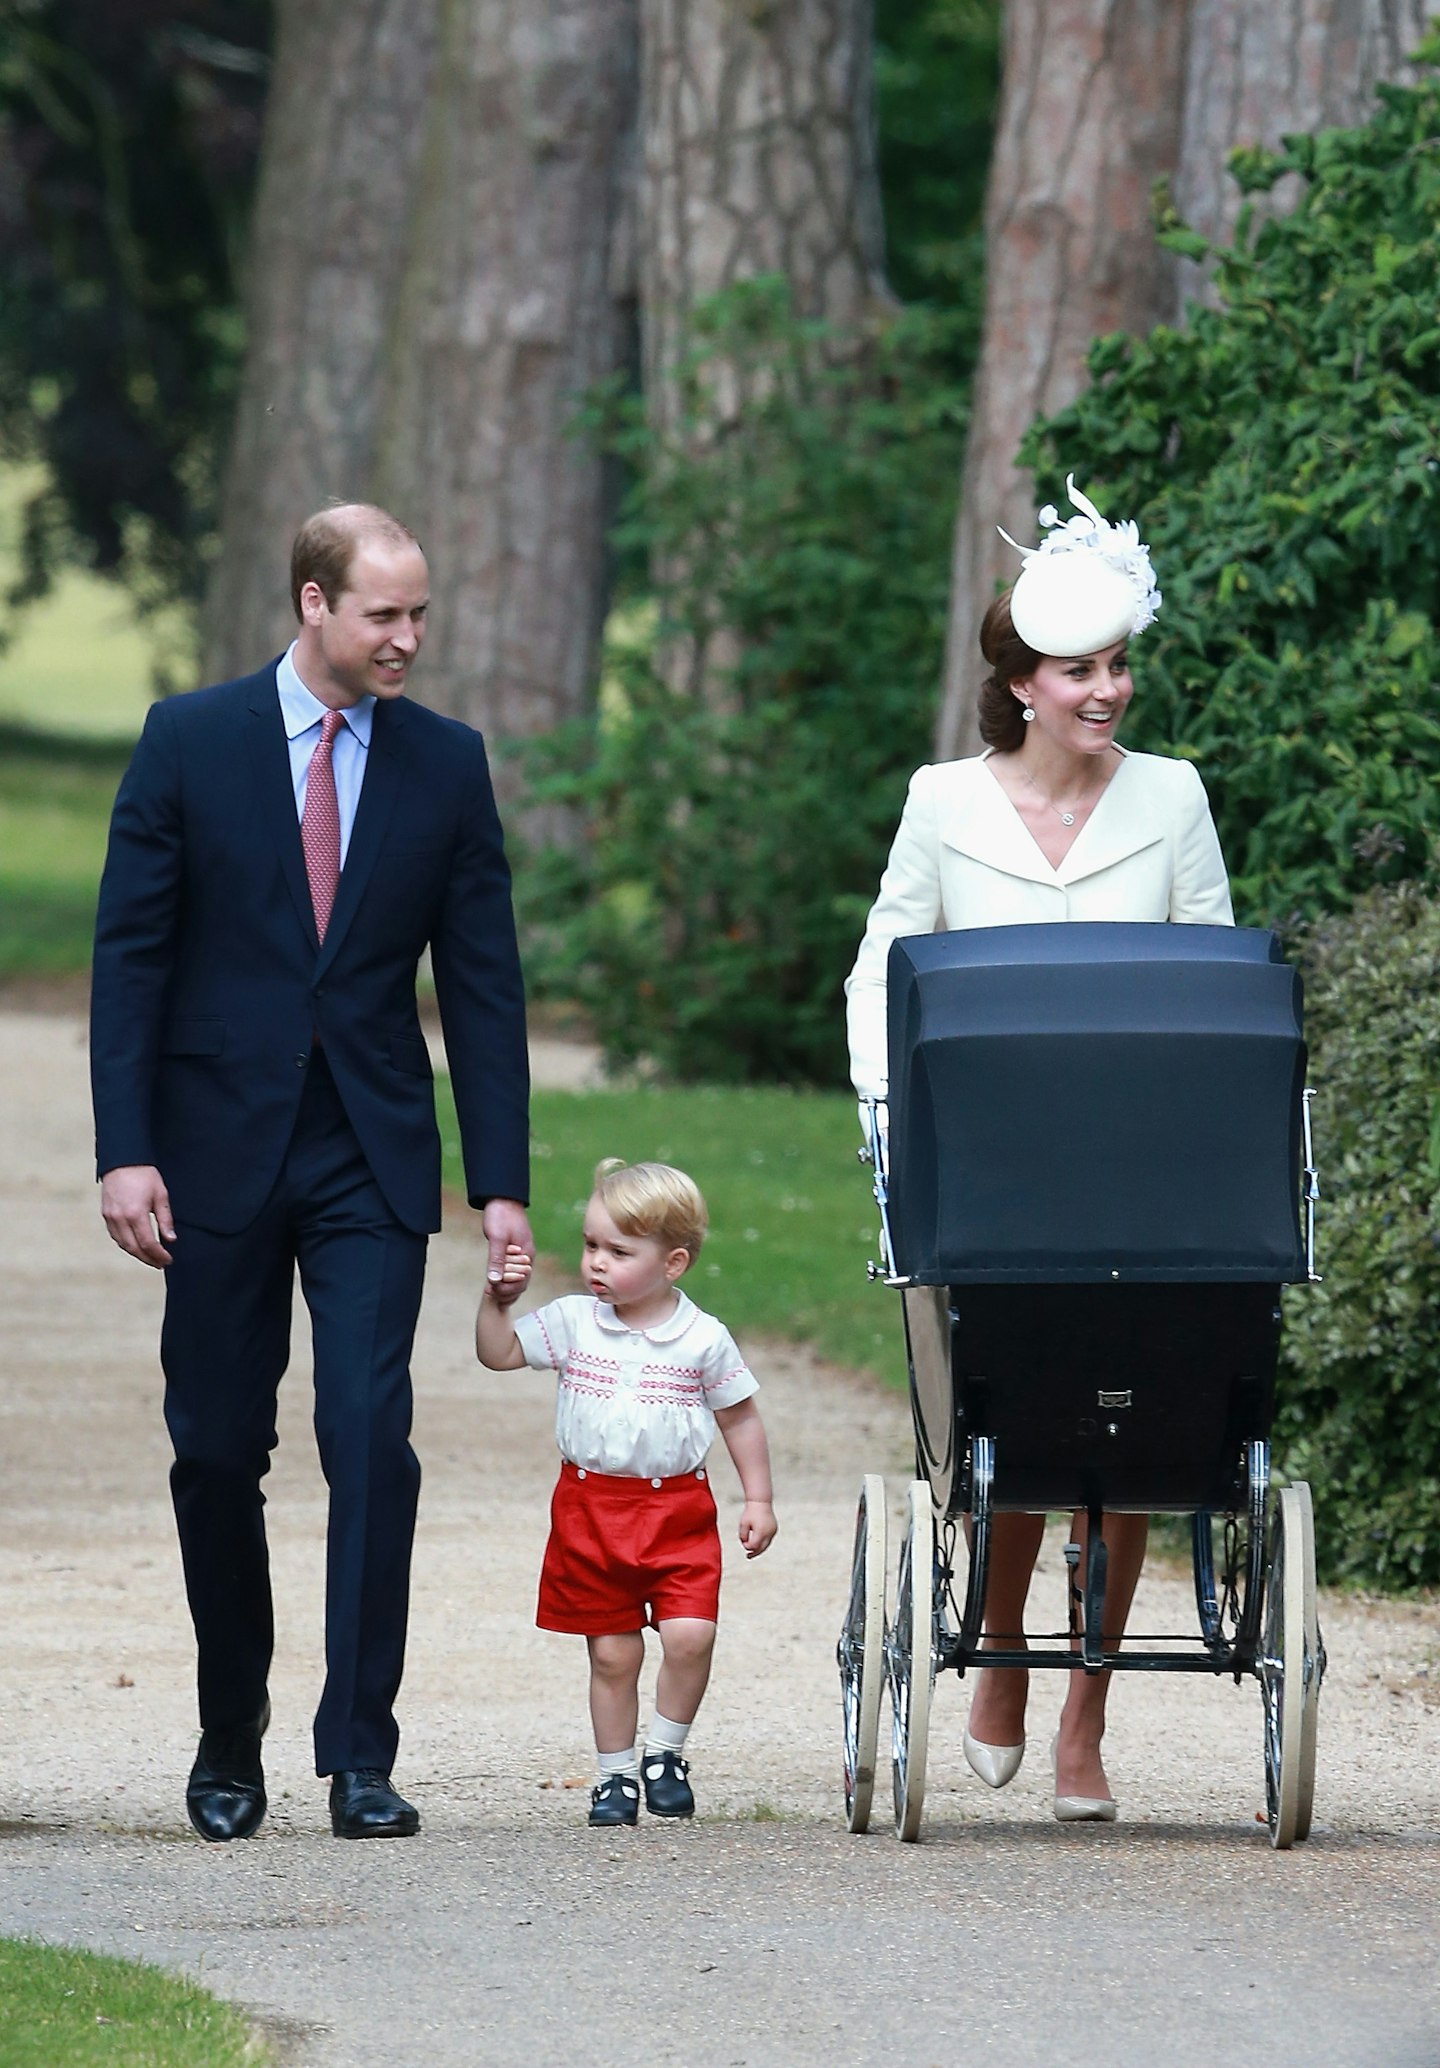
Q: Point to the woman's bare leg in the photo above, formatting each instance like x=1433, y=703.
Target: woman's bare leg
x=1079, y=1769
x=997, y=1709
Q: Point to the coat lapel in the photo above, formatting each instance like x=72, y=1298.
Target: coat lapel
x=275, y=794
x=1122, y=823
x=981, y=822
x=384, y=775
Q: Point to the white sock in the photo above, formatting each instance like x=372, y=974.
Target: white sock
x=625, y=1762
x=665, y=1736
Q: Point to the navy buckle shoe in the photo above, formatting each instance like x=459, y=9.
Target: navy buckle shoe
x=615, y=1800
x=667, y=1787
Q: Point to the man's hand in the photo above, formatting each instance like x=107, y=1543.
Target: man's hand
x=136, y=1207
x=506, y=1228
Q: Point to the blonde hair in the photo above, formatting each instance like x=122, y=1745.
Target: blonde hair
x=655, y=1200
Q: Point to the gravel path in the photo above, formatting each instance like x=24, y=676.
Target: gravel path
x=764, y=1934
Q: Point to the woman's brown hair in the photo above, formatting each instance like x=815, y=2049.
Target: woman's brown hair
x=1011, y=661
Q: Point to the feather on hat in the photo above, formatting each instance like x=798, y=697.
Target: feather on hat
x=1085, y=586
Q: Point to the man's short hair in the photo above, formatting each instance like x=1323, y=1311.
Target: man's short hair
x=326, y=544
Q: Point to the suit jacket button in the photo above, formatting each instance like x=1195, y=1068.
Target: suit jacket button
x=300, y=1062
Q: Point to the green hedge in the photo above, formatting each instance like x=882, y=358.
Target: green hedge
x=1282, y=454
x=737, y=832
x=1360, y=1387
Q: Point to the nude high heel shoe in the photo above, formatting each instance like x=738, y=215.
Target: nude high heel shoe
x=997, y=1765
x=1081, y=1809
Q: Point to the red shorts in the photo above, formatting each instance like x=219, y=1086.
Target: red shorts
x=625, y=1552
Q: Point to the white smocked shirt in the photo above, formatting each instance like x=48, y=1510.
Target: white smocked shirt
x=635, y=1402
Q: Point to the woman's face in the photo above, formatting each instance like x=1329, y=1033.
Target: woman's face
x=1078, y=703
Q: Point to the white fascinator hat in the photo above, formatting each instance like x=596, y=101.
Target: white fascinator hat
x=1085, y=586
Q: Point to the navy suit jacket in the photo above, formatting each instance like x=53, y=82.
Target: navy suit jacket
x=211, y=986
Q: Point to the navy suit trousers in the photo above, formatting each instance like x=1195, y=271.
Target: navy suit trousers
x=224, y=1347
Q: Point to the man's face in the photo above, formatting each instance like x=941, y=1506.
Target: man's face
x=364, y=647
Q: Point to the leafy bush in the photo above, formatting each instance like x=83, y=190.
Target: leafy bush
x=1358, y=1396
x=1283, y=454
x=741, y=806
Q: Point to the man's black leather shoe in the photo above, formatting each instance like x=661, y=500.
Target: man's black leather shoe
x=225, y=1795
x=364, y=1805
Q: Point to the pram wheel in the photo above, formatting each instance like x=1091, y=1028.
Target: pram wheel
x=860, y=1653
x=910, y=1654
x=1314, y=1675
x=1291, y=1665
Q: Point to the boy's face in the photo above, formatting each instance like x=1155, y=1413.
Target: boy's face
x=632, y=1273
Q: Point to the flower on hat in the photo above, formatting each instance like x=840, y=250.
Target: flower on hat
x=1118, y=545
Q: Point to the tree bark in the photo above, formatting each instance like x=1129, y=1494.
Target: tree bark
x=759, y=157
x=1089, y=118
x=441, y=270
x=1098, y=98
x=1258, y=74
x=327, y=247
x=517, y=297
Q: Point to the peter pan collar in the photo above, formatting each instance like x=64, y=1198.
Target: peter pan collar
x=662, y=1332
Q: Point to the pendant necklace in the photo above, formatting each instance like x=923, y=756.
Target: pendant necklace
x=1066, y=818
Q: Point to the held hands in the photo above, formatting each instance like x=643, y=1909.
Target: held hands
x=514, y=1276
x=136, y=1207
x=507, y=1230
x=757, y=1527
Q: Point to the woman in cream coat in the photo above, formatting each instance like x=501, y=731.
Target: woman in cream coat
x=1054, y=821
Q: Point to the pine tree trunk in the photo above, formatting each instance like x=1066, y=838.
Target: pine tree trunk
x=518, y=296
x=343, y=130
x=759, y=157
x=1089, y=118
x=1098, y=98
x=1257, y=74
x=441, y=271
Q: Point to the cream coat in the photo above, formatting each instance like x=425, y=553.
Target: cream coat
x=964, y=857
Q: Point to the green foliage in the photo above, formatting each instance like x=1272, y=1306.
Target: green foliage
x=792, y=1221
x=747, y=768
x=1358, y=1387
x=1283, y=456
x=55, y=799
x=129, y=133
x=937, y=66
x=63, y=2008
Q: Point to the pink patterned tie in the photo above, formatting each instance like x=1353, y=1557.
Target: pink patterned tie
x=320, y=824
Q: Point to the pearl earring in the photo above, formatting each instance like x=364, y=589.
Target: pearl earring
x=1027, y=712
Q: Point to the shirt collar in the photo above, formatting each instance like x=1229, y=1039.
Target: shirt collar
x=663, y=1331
x=301, y=708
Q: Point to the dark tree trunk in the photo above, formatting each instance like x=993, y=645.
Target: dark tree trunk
x=441, y=269
x=343, y=131
x=517, y=297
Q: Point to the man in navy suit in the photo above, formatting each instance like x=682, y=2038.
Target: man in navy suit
x=283, y=850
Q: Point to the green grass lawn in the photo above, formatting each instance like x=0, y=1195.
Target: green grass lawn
x=792, y=1220
x=78, y=661
x=60, y=2008
x=55, y=798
